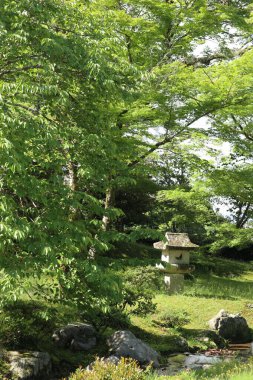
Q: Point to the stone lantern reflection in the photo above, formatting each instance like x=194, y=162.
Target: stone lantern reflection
x=175, y=259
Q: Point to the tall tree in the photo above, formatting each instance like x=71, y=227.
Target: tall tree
x=63, y=73
x=178, y=87
x=89, y=92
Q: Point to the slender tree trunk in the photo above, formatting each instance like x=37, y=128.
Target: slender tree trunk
x=70, y=179
x=106, y=220
x=109, y=202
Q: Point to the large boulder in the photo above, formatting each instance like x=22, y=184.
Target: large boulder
x=232, y=327
x=125, y=344
x=77, y=336
x=29, y=365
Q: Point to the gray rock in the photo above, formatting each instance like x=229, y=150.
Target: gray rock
x=112, y=359
x=200, y=360
x=29, y=365
x=214, y=322
x=77, y=336
x=83, y=344
x=180, y=344
x=125, y=344
x=232, y=327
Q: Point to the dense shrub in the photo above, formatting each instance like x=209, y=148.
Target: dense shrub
x=24, y=324
x=144, y=277
x=125, y=370
x=140, y=285
x=133, y=294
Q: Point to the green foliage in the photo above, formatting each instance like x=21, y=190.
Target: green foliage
x=127, y=369
x=227, y=235
x=186, y=210
x=25, y=325
x=135, y=200
x=143, y=277
x=225, y=371
x=232, y=186
x=140, y=284
x=132, y=251
x=90, y=92
x=4, y=369
x=232, y=370
x=211, y=264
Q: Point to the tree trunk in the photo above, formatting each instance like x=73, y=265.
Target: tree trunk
x=242, y=215
x=109, y=202
x=106, y=220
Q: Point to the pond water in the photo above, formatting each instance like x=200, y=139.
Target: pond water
x=204, y=360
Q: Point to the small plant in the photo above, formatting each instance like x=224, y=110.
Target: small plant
x=172, y=319
x=126, y=369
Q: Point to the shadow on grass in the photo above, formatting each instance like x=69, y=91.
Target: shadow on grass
x=219, y=266
x=210, y=296
x=165, y=344
x=199, y=335
x=219, y=288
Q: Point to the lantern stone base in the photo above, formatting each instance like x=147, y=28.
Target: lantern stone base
x=174, y=282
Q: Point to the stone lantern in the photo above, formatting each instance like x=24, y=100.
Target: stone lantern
x=175, y=259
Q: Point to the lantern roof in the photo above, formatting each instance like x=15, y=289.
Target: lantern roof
x=175, y=240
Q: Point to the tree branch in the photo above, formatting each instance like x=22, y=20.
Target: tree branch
x=170, y=138
x=207, y=60
x=21, y=69
x=246, y=134
x=242, y=215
